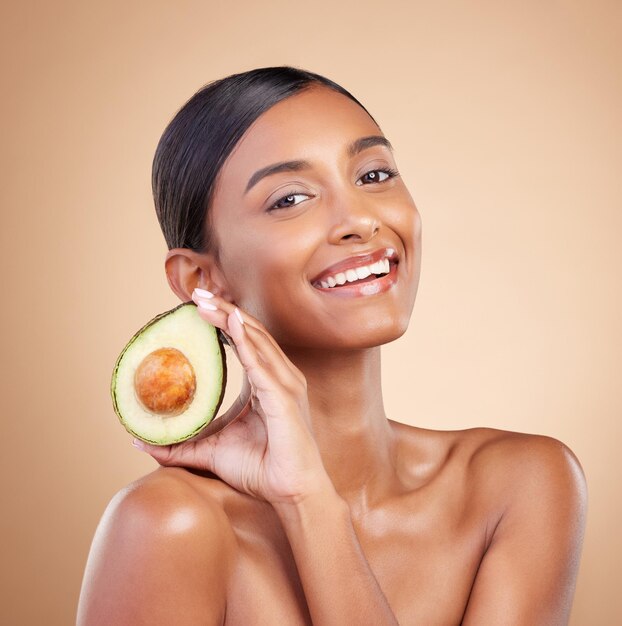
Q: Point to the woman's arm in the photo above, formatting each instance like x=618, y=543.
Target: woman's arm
x=339, y=585
x=270, y=453
x=529, y=571
x=161, y=555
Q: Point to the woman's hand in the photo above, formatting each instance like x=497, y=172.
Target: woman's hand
x=266, y=450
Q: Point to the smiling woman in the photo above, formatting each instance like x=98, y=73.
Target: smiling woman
x=290, y=227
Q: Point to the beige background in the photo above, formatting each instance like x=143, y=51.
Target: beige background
x=506, y=121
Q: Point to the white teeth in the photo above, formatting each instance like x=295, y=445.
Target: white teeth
x=377, y=267
x=362, y=272
x=352, y=275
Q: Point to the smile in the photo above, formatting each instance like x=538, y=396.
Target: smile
x=363, y=275
x=377, y=269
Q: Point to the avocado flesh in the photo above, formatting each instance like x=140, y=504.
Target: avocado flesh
x=180, y=329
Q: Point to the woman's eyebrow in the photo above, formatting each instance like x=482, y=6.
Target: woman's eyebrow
x=367, y=142
x=352, y=149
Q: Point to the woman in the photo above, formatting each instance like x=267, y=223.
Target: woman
x=278, y=194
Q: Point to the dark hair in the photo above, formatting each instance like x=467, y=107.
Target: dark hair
x=200, y=137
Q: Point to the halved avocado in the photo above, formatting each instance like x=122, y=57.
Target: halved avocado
x=169, y=381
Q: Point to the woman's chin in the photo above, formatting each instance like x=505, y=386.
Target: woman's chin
x=387, y=335
x=361, y=338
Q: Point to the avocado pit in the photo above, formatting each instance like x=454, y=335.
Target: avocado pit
x=165, y=382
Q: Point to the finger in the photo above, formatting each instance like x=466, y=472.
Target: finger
x=277, y=396
x=208, y=309
x=273, y=359
x=217, y=308
x=219, y=316
x=191, y=453
x=266, y=371
x=269, y=351
x=258, y=374
x=263, y=353
x=196, y=454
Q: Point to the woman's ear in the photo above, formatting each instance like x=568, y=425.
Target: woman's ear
x=187, y=269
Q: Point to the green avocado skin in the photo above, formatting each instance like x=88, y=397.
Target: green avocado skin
x=113, y=384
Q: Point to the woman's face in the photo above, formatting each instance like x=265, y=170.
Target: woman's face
x=279, y=232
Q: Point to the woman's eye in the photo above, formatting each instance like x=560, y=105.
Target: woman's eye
x=287, y=201
x=379, y=175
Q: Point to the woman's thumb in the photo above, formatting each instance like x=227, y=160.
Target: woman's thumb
x=196, y=454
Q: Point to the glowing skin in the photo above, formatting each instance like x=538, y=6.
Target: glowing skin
x=312, y=506
x=334, y=215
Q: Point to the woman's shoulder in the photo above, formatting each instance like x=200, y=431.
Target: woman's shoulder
x=171, y=500
x=501, y=461
x=523, y=462
x=172, y=506
x=520, y=447
x=160, y=525
x=530, y=492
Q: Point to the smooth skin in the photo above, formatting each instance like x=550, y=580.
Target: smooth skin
x=310, y=506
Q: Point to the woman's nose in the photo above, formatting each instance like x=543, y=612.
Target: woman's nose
x=354, y=221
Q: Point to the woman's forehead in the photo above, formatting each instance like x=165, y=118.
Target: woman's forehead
x=314, y=124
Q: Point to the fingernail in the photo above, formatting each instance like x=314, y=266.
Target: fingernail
x=207, y=306
x=201, y=297
x=238, y=315
x=137, y=443
x=203, y=293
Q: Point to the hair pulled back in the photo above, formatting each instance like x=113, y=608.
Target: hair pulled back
x=200, y=137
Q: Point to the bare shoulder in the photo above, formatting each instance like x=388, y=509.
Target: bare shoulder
x=169, y=495
x=166, y=506
x=500, y=470
x=499, y=455
x=528, y=573
x=521, y=465
x=160, y=543
x=529, y=494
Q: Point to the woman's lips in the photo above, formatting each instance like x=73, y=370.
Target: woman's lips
x=360, y=260
x=369, y=286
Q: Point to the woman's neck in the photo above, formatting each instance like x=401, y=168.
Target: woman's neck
x=349, y=423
